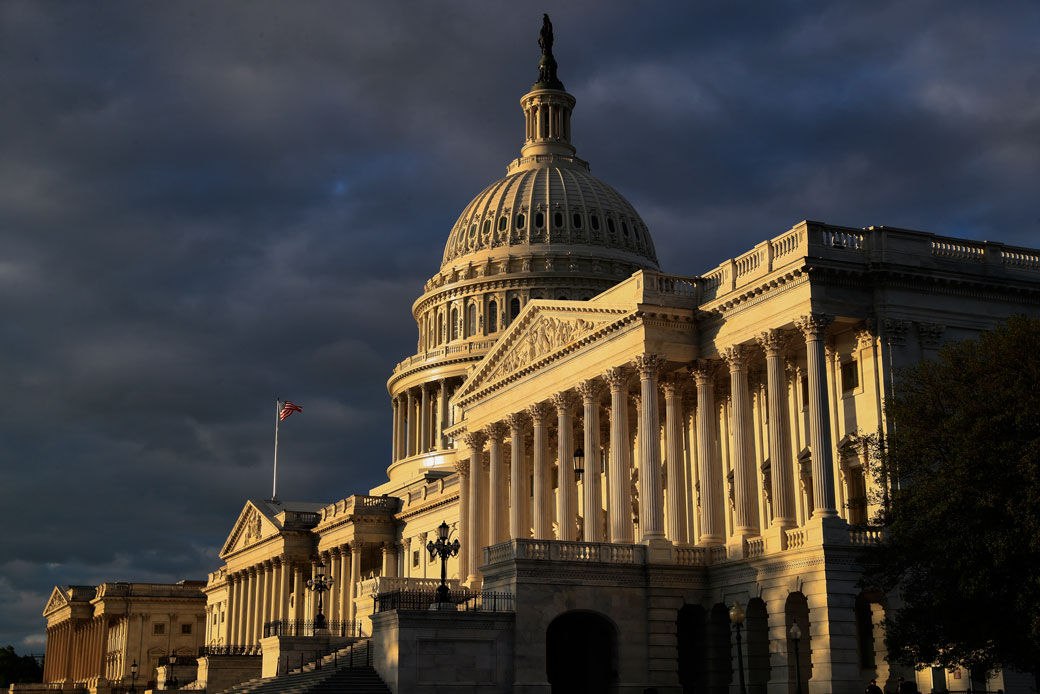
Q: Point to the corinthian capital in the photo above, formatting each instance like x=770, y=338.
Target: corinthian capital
x=462, y=466
x=648, y=365
x=736, y=357
x=563, y=402
x=589, y=391
x=813, y=325
x=474, y=439
x=616, y=378
x=496, y=431
x=772, y=341
x=516, y=421
x=702, y=371
x=672, y=385
x=540, y=411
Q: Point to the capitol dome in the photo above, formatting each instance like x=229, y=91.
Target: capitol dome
x=554, y=204
x=549, y=230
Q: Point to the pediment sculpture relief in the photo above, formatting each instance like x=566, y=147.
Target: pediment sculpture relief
x=546, y=335
x=253, y=527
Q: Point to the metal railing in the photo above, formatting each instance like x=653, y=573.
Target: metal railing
x=464, y=600
x=306, y=627
x=331, y=656
x=181, y=660
x=230, y=649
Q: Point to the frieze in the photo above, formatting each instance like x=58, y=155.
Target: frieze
x=546, y=335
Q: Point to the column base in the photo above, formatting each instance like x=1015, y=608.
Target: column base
x=659, y=550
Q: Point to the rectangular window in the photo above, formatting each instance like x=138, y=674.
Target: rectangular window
x=805, y=392
x=415, y=558
x=185, y=628
x=158, y=629
x=849, y=376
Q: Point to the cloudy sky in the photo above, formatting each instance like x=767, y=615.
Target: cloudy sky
x=205, y=206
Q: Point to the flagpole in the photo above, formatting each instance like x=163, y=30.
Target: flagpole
x=277, y=413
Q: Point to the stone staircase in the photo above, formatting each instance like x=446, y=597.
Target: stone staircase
x=345, y=670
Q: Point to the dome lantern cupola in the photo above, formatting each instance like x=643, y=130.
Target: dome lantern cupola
x=547, y=107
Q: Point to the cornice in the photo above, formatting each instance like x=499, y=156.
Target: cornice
x=411, y=513
x=520, y=280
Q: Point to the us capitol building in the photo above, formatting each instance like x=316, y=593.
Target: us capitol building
x=622, y=454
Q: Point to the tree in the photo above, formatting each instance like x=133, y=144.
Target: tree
x=961, y=470
x=16, y=668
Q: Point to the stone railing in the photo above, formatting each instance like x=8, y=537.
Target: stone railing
x=691, y=556
x=150, y=590
x=448, y=350
x=862, y=537
x=388, y=584
x=358, y=503
x=755, y=547
x=557, y=550
x=795, y=538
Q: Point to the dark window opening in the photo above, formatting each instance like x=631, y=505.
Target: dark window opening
x=577, y=221
x=539, y=220
x=849, y=376
x=595, y=222
x=520, y=221
x=558, y=220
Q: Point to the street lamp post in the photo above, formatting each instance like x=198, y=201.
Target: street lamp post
x=133, y=677
x=319, y=584
x=171, y=681
x=736, y=615
x=443, y=549
x=579, y=462
x=796, y=634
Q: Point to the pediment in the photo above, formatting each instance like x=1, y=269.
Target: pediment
x=57, y=600
x=542, y=332
x=252, y=526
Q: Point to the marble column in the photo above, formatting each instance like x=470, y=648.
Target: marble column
x=813, y=327
x=745, y=496
x=462, y=466
x=495, y=432
x=425, y=419
x=712, y=529
x=477, y=505
x=620, y=502
x=442, y=414
x=651, y=513
x=675, y=459
x=779, y=448
x=239, y=610
x=283, y=588
x=298, y=590
x=389, y=567
x=355, y=578
x=540, y=413
x=519, y=501
x=565, y=515
x=344, y=574
x=410, y=425
x=249, y=616
x=393, y=429
x=338, y=583
x=264, y=593
x=590, y=392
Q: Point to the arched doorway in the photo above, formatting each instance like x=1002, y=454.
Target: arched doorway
x=756, y=629
x=797, y=612
x=581, y=654
x=692, y=649
x=720, y=656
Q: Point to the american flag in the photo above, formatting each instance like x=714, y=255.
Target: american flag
x=287, y=409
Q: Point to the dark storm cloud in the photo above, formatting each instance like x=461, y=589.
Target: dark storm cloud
x=205, y=206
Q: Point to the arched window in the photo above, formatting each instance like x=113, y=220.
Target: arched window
x=471, y=320
x=577, y=221
x=539, y=220
x=610, y=225
x=520, y=221
x=440, y=321
x=502, y=221
x=595, y=222
x=558, y=220
x=492, y=320
x=514, y=309
x=454, y=323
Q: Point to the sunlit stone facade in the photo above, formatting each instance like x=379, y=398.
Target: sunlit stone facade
x=713, y=411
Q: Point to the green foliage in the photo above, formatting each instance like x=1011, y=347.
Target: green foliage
x=16, y=668
x=962, y=541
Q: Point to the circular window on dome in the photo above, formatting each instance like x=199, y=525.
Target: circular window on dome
x=594, y=220
x=577, y=221
x=502, y=222
x=539, y=220
x=520, y=221
x=558, y=220
x=610, y=225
